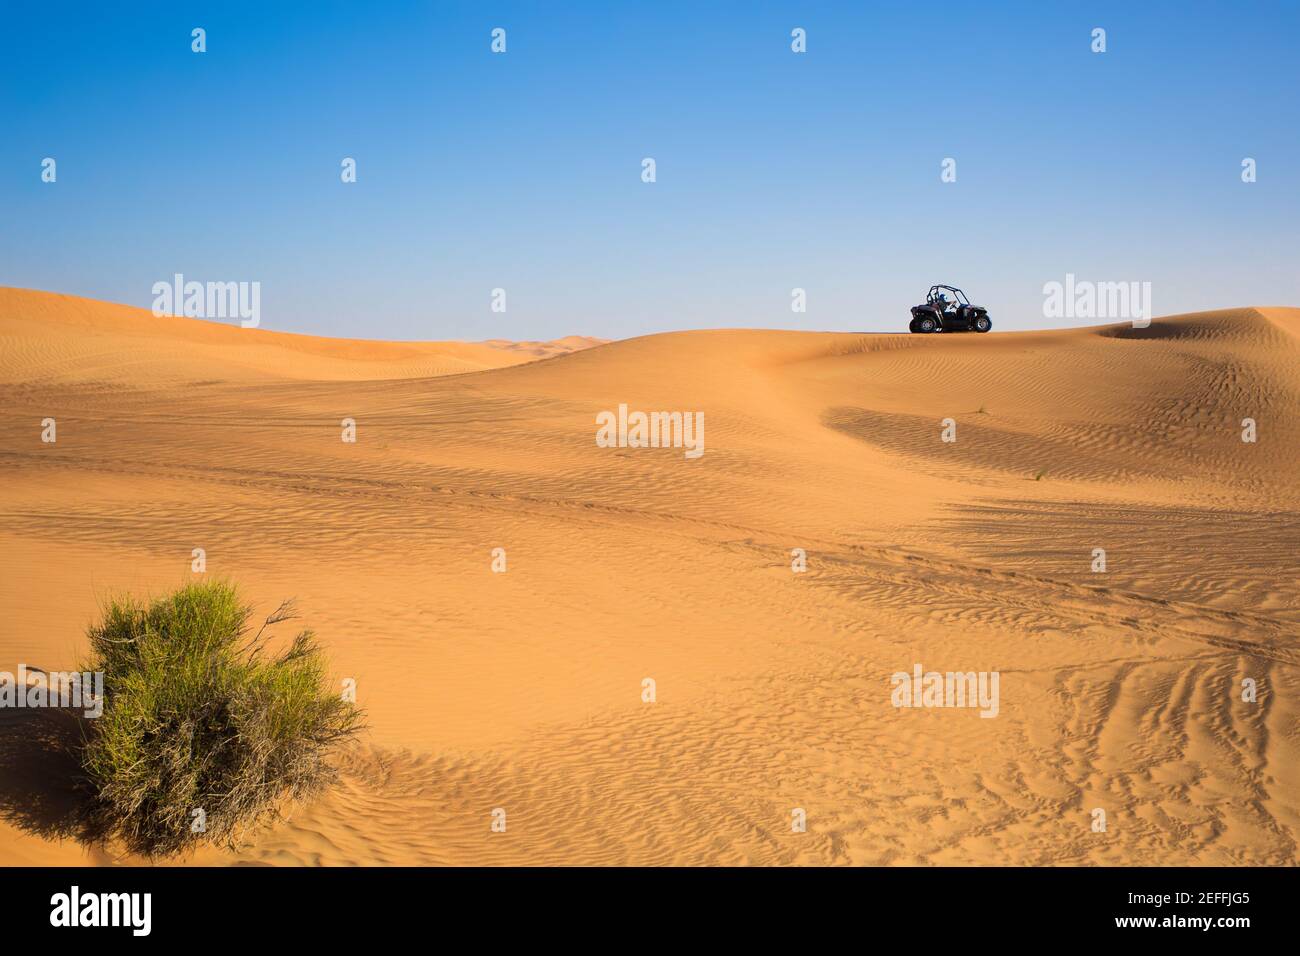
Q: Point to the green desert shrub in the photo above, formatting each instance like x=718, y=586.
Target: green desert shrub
x=199, y=715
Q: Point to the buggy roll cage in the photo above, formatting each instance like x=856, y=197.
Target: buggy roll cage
x=933, y=296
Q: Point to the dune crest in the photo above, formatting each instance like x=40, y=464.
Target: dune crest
x=46, y=335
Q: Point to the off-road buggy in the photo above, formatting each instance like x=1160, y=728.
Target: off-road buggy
x=940, y=313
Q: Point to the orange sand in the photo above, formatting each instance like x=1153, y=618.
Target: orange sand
x=523, y=690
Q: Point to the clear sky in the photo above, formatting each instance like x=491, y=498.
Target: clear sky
x=775, y=170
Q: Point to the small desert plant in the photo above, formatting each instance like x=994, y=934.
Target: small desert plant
x=200, y=717
x=1038, y=475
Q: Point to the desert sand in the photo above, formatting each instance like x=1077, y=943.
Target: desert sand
x=523, y=690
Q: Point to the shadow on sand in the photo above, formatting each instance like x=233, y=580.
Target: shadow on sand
x=42, y=787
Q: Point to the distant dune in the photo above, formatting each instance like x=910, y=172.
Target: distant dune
x=1120, y=691
x=66, y=338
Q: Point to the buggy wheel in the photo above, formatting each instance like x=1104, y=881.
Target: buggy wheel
x=926, y=324
x=983, y=323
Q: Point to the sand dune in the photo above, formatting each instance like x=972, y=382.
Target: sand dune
x=1119, y=690
x=48, y=337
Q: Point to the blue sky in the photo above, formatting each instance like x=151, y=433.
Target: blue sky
x=523, y=171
